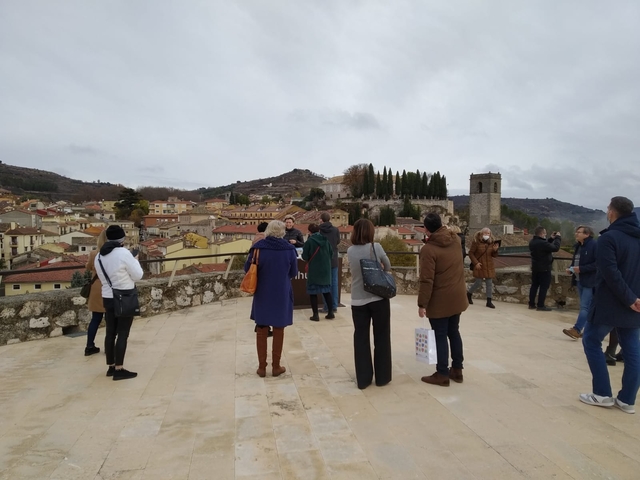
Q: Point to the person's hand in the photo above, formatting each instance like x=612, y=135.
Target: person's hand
x=495, y=247
x=422, y=312
x=568, y=271
x=576, y=269
x=292, y=241
x=478, y=266
x=636, y=305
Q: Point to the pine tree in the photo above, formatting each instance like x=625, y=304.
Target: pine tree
x=372, y=180
x=383, y=190
x=416, y=185
x=424, y=186
x=406, y=188
x=365, y=183
x=443, y=188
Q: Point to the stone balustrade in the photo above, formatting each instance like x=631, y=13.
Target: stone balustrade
x=50, y=314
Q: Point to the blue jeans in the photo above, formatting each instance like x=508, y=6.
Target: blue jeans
x=585, y=294
x=630, y=342
x=334, y=289
x=96, y=318
x=447, y=332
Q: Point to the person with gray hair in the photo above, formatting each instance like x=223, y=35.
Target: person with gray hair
x=273, y=299
x=583, y=272
x=615, y=305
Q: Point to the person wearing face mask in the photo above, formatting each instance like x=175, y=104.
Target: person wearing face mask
x=483, y=249
x=541, y=260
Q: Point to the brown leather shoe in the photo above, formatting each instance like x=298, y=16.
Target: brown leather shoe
x=437, y=379
x=572, y=332
x=455, y=374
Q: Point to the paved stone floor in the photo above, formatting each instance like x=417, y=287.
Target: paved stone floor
x=198, y=411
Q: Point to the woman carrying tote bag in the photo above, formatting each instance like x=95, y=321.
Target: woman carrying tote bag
x=367, y=309
x=122, y=269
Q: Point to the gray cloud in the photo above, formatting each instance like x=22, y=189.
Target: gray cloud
x=82, y=150
x=543, y=91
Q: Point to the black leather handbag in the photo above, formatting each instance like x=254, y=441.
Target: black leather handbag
x=375, y=279
x=125, y=302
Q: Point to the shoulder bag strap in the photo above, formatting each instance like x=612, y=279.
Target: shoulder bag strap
x=314, y=254
x=104, y=272
x=373, y=249
x=256, y=255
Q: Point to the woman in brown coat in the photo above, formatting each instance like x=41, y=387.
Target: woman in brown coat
x=94, y=303
x=483, y=249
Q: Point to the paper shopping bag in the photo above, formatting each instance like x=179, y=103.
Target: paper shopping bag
x=426, y=346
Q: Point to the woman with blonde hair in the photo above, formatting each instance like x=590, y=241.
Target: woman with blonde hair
x=273, y=299
x=94, y=302
x=483, y=249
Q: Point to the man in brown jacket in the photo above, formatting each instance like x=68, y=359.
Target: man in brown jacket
x=443, y=297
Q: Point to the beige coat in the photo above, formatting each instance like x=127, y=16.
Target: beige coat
x=443, y=291
x=95, y=297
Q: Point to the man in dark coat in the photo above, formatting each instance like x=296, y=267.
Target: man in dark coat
x=583, y=271
x=616, y=304
x=291, y=234
x=541, y=260
x=333, y=235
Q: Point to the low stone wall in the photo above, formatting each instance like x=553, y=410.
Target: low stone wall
x=51, y=314
x=510, y=285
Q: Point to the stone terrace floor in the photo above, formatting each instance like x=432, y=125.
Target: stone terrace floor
x=197, y=410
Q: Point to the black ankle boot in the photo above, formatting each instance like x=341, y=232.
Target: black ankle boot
x=610, y=356
x=489, y=304
x=469, y=298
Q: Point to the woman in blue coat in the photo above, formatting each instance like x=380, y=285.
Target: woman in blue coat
x=273, y=299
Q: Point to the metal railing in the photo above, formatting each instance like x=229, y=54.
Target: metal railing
x=232, y=255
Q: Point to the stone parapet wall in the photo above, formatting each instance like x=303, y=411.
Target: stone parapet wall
x=50, y=314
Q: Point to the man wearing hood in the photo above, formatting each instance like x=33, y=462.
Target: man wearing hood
x=443, y=297
x=123, y=269
x=616, y=304
x=333, y=235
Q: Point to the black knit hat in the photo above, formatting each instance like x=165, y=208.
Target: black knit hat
x=115, y=232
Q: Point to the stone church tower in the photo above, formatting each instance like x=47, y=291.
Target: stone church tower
x=484, y=202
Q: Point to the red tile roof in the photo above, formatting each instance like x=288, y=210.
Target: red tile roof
x=46, y=275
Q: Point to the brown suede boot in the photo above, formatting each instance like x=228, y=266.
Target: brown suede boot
x=455, y=374
x=276, y=352
x=437, y=379
x=261, y=347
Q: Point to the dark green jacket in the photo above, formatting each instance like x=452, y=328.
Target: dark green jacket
x=320, y=265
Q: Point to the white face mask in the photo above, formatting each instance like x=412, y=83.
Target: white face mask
x=485, y=237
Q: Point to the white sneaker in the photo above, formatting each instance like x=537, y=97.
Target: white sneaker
x=593, y=399
x=625, y=407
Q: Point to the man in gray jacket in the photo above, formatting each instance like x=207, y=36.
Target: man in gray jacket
x=333, y=236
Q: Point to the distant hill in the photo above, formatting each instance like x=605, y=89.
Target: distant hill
x=50, y=186
x=547, y=208
x=297, y=180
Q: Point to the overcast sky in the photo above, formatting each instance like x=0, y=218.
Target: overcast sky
x=189, y=94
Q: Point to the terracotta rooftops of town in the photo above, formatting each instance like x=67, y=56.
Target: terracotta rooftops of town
x=46, y=274
x=251, y=229
x=23, y=231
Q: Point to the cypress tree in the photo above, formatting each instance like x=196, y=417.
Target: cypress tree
x=365, y=183
x=378, y=186
x=443, y=188
x=372, y=180
x=389, y=185
x=398, y=190
x=424, y=186
x=383, y=190
x=406, y=188
x=416, y=185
